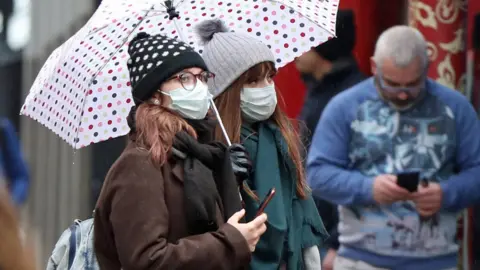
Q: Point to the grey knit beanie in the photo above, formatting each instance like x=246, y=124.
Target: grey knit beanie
x=228, y=54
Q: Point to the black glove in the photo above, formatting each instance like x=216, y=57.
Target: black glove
x=241, y=164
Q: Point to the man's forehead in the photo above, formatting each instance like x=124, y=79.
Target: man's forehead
x=389, y=63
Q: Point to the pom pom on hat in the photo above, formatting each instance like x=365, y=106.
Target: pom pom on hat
x=139, y=36
x=207, y=29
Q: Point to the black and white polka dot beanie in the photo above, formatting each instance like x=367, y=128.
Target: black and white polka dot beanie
x=154, y=59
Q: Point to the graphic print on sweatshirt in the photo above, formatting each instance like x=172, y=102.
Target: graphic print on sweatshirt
x=385, y=141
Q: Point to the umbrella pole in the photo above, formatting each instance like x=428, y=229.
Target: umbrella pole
x=173, y=16
x=179, y=31
x=229, y=143
x=214, y=107
x=225, y=134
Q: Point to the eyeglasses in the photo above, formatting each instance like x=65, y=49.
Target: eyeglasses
x=396, y=89
x=189, y=80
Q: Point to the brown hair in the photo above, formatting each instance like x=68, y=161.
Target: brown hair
x=228, y=104
x=156, y=127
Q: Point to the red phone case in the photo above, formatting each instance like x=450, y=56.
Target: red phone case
x=265, y=201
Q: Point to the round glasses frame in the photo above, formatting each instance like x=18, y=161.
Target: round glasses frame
x=189, y=80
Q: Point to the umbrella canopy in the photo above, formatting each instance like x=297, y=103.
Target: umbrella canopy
x=83, y=93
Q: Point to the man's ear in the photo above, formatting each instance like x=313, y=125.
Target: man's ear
x=428, y=66
x=373, y=66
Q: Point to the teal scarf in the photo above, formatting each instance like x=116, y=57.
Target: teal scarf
x=293, y=223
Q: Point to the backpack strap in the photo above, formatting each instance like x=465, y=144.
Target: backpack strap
x=73, y=243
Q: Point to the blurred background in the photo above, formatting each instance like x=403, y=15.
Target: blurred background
x=65, y=183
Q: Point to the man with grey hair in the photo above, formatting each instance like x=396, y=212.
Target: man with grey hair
x=400, y=154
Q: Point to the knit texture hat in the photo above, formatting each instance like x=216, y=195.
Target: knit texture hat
x=154, y=59
x=343, y=44
x=228, y=54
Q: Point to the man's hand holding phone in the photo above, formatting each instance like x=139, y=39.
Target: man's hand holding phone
x=428, y=199
x=426, y=195
x=386, y=191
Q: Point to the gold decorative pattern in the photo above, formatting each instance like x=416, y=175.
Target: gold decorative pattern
x=446, y=72
x=418, y=8
x=455, y=46
x=446, y=11
x=432, y=51
x=446, y=48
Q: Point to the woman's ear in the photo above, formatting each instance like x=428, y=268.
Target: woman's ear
x=161, y=99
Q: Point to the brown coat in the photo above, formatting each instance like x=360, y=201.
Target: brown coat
x=140, y=222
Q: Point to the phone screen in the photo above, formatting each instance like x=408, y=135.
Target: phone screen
x=408, y=180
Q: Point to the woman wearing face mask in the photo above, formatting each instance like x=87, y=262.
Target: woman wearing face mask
x=246, y=98
x=170, y=202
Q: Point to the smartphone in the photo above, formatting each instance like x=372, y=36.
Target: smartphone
x=265, y=201
x=408, y=180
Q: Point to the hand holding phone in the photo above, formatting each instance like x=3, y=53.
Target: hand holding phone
x=265, y=201
x=387, y=191
x=251, y=231
x=408, y=180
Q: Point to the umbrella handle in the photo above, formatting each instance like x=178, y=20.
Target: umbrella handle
x=225, y=134
x=172, y=12
x=173, y=16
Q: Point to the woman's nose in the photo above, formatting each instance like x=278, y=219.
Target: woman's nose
x=267, y=82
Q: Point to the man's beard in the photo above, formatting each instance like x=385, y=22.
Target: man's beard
x=402, y=103
x=409, y=102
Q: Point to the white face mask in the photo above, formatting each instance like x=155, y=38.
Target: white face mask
x=192, y=104
x=258, y=104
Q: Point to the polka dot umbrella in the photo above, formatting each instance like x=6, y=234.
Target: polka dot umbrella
x=83, y=93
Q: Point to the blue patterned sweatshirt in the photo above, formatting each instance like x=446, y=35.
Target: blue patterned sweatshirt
x=360, y=136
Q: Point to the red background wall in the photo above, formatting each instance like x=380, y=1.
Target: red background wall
x=371, y=18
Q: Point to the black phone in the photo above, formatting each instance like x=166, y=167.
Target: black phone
x=408, y=180
x=265, y=201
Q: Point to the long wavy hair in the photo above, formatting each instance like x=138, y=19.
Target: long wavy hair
x=228, y=104
x=156, y=127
